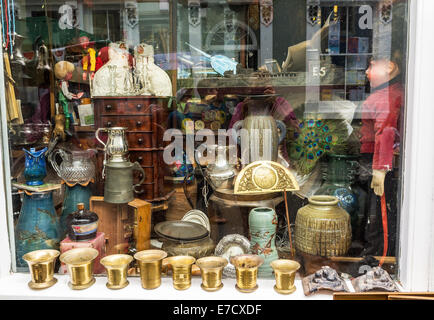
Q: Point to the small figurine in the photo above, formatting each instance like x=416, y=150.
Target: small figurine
x=114, y=78
x=325, y=279
x=152, y=79
x=89, y=57
x=63, y=71
x=376, y=279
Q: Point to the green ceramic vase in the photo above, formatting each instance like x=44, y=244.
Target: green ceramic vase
x=262, y=229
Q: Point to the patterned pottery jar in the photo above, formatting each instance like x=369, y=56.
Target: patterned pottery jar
x=322, y=227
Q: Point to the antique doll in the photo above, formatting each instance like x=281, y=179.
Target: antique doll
x=89, y=57
x=380, y=132
x=63, y=71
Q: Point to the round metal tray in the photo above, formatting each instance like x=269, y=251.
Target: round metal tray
x=181, y=230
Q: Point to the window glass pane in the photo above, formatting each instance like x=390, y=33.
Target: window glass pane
x=228, y=117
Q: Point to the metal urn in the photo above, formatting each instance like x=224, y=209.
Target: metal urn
x=118, y=170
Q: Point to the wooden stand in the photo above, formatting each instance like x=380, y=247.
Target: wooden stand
x=123, y=224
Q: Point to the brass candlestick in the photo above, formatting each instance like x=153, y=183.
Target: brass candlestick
x=41, y=265
x=117, y=267
x=284, y=271
x=181, y=271
x=79, y=263
x=246, y=267
x=150, y=262
x=211, y=269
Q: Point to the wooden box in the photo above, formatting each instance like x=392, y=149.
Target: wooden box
x=98, y=243
x=125, y=225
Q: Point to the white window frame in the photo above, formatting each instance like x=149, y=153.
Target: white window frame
x=416, y=258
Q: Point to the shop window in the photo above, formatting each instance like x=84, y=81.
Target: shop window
x=270, y=127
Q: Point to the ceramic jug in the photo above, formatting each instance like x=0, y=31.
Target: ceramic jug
x=262, y=132
x=262, y=229
x=35, y=166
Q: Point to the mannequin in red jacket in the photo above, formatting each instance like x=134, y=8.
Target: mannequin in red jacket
x=380, y=115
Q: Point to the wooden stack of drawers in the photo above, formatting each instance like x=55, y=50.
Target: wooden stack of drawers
x=146, y=119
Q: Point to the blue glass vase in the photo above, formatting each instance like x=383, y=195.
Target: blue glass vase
x=262, y=229
x=73, y=195
x=37, y=227
x=35, y=168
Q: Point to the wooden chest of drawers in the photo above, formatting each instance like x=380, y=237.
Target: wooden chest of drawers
x=146, y=119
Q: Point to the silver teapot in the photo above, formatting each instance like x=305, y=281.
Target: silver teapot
x=219, y=173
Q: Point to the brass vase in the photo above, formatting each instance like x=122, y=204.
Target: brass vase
x=284, y=271
x=117, y=267
x=150, y=262
x=41, y=264
x=246, y=267
x=211, y=269
x=322, y=227
x=181, y=271
x=79, y=262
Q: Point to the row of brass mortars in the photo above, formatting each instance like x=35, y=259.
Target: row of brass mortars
x=80, y=261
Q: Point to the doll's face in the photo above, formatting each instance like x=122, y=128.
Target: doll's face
x=68, y=76
x=379, y=72
x=84, y=41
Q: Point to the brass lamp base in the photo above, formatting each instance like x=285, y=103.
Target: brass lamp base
x=81, y=286
x=246, y=290
x=117, y=287
x=282, y=291
x=211, y=289
x=44, y=285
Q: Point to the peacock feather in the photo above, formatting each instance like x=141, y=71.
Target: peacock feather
x=315, y=138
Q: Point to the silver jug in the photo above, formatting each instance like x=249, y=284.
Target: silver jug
x=116, y=148
x=262, y=132
x=220, y=172
x=76, y=166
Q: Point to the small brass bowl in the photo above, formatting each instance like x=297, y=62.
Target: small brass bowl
x=246, y=267
x=211, y=269
x=79, y=262
x=41, y=264
x=150, y=263
x=181, y=271
x=117, y=267
x=284, y=271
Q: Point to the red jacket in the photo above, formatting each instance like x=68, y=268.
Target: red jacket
x=380, y=114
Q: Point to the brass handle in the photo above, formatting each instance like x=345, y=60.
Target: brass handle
x=139, y=106
x=139, y=123
x=109, y=124
x=140, y=141
x=140, y=159
x=108, y=107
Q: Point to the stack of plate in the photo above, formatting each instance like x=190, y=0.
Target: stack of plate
x=198, y=217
